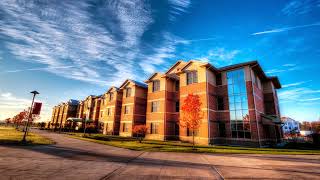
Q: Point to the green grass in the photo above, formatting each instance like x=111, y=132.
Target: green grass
x=175, y=146
x=11, y=136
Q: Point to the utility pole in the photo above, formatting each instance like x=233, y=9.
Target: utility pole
x=29, y=117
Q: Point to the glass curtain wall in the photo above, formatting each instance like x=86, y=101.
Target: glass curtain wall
x=238, y=104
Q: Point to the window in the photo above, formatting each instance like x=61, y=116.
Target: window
x=109, y=112
x=177, y=85
x=220, y=103
x=222, y=129
x=238, y=104
x=155, y=106
x=101, y=113
x=192, y=77
x=128, y=92
x=155, y=85
x=125, y=127
x=177, y=106
x=218, y=79
x=110, y=96
x=154, y=127
x=126, y=109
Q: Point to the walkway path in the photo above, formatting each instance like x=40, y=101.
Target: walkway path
x=77, y=159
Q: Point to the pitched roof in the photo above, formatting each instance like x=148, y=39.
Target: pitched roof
x=193, y=61
x=175, y=65
x=73, y=102
x=112, y=87
x=143, y=85
x=153, y=75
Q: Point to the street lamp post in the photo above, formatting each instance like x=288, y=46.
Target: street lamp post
x=30, y=115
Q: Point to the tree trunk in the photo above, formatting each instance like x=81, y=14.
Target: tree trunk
x=193, y=139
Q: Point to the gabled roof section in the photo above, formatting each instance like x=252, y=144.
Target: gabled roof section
x=73, y=102
x=151, y=77
x=137, y=83
x=174, y=66
x=90, y=96
x=211, y=67
x=112, y=87
x=192, y=61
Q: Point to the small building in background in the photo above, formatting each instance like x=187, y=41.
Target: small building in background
x=290, y=126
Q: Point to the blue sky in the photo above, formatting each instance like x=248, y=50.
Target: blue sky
x=71, y=49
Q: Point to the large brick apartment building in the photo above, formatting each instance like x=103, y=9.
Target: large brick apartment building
x=133, y=110
x=110, y=111
x=239, y=104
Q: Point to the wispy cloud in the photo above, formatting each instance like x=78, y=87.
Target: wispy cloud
x=37, y=69
x=220, y=56
x=286, y=29
x=299, y=7
x=289, y=65
x=200, y=39
x=166, y=50
x=295, y=84
x=99, y=43
x=69, y=41
x=284, y=68
x=298, y=94
x=178, y=7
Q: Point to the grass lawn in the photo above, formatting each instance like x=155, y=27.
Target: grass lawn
x=171, y=146
x=9, y=135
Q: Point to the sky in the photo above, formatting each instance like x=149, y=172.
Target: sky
x=72, y=49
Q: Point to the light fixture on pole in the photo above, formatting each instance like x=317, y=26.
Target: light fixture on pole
x=29, y=116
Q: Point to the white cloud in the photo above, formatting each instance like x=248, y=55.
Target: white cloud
x=220, y=56
x=11, y=105
x=300, y=7
x=298, y=94
x=134, y=17
x=178, y=7
x=286, y=29
x=284, y=68
x=162, y=52
x=67, y=40
x=289, y=65
x=294, y=84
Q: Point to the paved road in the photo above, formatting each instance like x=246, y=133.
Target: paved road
x=77, y=159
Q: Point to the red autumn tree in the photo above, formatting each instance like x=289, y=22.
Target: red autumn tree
x=140, y=131
x=7, y=121
x=17, y=119
x=191, y=114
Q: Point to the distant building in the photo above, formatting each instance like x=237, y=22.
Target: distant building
x=62, y=112
x=290, y=126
